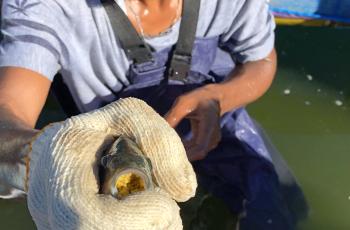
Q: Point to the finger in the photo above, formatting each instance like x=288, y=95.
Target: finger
x=196, y=153
x=199, y=152
x=191, y=142
x=181, y=108
x=197, y=149
x=194, y=129
x=206, y=131
x=216, y=138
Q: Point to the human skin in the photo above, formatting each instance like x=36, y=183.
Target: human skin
x=204, y=106
x=155, y=16
x=23, y=94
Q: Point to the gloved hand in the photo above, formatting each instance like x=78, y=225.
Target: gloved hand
x=63, y=182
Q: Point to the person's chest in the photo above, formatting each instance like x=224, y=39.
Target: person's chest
x=94, y=49
x=91, y=28
x=95, y=64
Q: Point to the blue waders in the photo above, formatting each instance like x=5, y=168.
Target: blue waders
x=240, y=169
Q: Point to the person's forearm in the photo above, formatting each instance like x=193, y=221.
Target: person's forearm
x=245, y=84
x=14, y=137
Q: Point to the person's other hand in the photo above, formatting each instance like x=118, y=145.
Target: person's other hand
x=202, y=108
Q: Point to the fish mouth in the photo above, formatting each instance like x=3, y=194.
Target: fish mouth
x=125, y=169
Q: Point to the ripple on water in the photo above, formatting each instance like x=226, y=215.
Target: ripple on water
x=309, y=77
x=338, y=103
x=286, y=91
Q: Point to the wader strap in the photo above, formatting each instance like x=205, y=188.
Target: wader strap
x=180, y=62
x=134, y=46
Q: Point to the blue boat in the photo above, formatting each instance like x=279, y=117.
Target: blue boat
x=325, y=10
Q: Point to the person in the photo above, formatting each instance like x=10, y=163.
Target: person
x=199, y=71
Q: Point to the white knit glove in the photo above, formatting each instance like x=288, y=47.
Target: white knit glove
x=63, y=178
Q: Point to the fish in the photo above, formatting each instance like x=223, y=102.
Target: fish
x=125, y=170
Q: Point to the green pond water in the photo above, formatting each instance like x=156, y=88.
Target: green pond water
x=306, y=114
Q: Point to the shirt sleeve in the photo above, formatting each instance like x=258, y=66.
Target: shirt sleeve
x=29, y=36
x=251, y=34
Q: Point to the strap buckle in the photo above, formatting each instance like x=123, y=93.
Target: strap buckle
x=139, y=54
x=179, y=67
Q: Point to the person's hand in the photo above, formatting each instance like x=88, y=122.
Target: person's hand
x=63, y=185
x=202, y=108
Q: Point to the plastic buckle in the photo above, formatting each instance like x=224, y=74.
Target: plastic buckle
x=179, y=67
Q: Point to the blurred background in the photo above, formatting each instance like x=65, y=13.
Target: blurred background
x=306, y=113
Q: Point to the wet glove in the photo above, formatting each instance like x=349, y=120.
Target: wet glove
x=63, y=184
